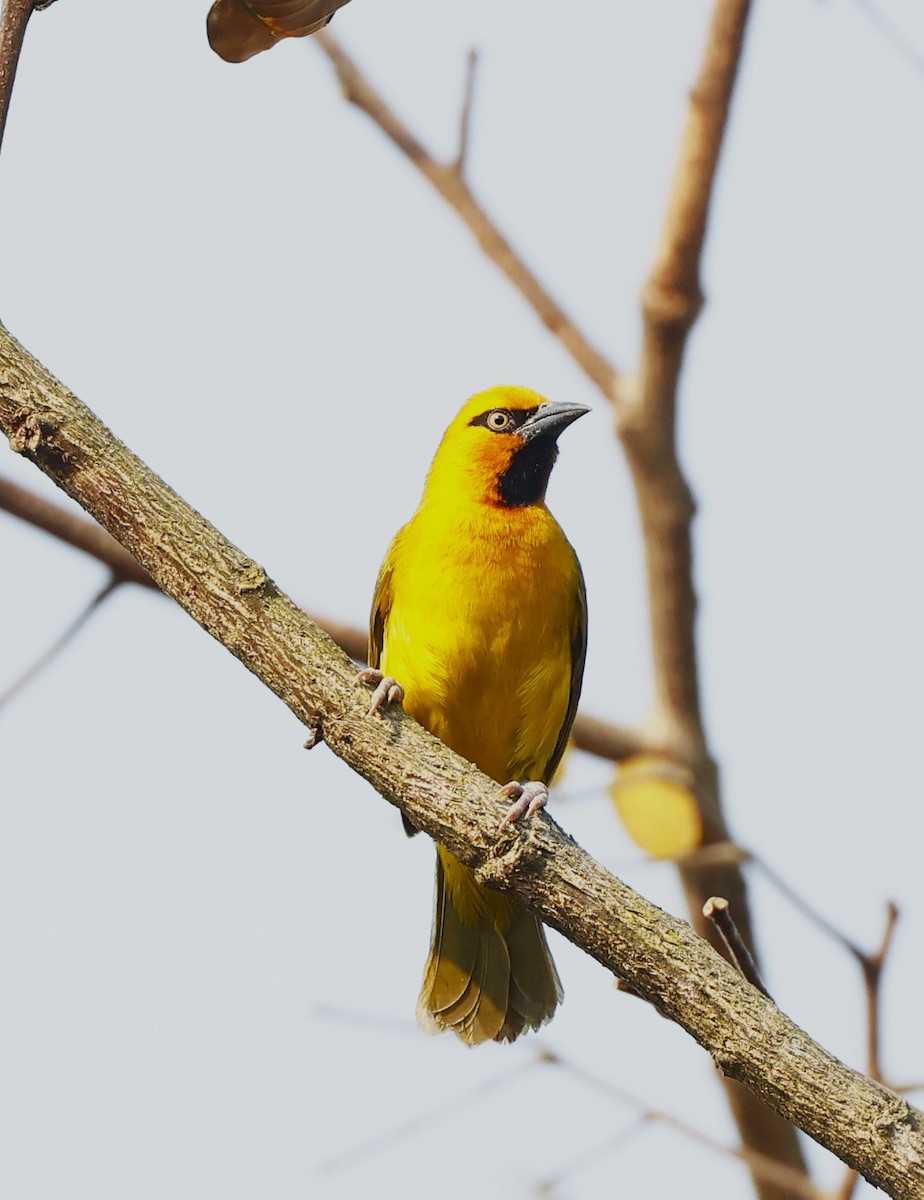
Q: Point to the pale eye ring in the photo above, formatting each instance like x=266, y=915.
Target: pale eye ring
x=499, y=420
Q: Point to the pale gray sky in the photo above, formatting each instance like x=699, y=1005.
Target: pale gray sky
x=233, y=269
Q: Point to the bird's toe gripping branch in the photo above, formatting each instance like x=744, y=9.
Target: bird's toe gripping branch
x=528, y=799
x=387, y=690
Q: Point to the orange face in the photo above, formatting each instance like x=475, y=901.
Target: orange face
x=501, y=447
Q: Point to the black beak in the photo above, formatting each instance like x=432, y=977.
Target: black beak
x=550, y=419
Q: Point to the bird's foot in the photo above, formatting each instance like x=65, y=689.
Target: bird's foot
x=387, y=690
x=528, y=799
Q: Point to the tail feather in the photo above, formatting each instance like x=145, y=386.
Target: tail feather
x=489, y=975
x=479, y=1015
x=535, y=988
x=449, y=972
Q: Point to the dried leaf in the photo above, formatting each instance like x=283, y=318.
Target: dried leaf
x=239, y=29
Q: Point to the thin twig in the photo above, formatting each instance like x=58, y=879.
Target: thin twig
x=717, y=910
x=448, y=181
x=787, y=1180
x=406, y=1129
x=802, y=905
x=60, y=643
x=872, y=966
x=544, y=1055
x=364, y=1020
x=892, y=34
x=871, y=963
x=547, y=1186
x=465, y=114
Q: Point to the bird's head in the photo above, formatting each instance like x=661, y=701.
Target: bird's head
x=501, y=447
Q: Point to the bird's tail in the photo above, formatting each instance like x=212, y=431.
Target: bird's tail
x=490, y=974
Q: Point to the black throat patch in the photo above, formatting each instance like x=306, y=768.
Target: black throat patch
x=525, y=480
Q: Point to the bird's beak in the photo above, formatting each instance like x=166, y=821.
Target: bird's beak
x=550, y=419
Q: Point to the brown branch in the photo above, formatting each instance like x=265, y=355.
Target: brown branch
x=74, y=529
x=13, y=22
x=869, y=1127
x=591, y=734
x=646, y=406
x=606, y=740
x=448, y=180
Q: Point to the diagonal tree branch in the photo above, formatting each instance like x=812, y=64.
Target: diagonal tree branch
x=869, y=1127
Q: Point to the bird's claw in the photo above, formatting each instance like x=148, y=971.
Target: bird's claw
x=528, y=799
x=387, y=690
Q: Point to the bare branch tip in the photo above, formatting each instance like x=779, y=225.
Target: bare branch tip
x=465, y=114
x=315, y=737
x=713, y=906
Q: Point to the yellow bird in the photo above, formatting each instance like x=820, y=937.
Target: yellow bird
x=480, y=613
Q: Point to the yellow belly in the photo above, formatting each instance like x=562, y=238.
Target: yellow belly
x=480, y=636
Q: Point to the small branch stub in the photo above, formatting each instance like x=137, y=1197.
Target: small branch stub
x=717, y=910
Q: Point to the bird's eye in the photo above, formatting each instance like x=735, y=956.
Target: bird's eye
x=499, y=420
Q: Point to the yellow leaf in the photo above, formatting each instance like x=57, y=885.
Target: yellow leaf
x=657, y=806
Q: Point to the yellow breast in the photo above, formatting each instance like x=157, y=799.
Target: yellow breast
x=480, y=631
